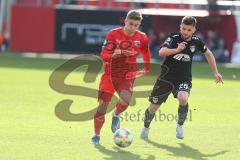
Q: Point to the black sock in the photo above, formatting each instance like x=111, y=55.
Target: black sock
x=182, y=114
x=148, y=118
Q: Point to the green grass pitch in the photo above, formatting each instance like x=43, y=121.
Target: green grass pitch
x=31, y=130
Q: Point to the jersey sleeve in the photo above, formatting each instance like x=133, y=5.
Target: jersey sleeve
x=201, y=46
x=106, y=54
x=168, y=42
x=146, y=55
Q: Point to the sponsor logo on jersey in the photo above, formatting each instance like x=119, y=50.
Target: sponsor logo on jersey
x=136, y=43
x=194, y=37
x=182, y=57
x=192, y=48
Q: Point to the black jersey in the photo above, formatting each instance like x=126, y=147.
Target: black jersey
x=179, y=66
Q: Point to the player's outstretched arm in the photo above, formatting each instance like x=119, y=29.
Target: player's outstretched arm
x=164, y=51
x=146, y=59
x=212, y=62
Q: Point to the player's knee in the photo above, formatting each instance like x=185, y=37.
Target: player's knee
x=102, y=108
x=125, y=97
x=182, y=98
x=153, y=107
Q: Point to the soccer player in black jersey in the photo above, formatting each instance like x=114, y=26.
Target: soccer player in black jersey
x=176, y=75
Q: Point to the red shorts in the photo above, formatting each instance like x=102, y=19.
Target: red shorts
x=109, y=85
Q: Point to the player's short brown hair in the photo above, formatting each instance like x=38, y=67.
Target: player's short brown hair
x=189, y=20
x=135, y=15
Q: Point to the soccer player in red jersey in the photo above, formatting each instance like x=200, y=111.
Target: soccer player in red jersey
x=119, y=52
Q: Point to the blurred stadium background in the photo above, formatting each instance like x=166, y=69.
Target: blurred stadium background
x=80, y=26
x=38, y=36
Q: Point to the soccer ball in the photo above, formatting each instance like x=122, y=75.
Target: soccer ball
x=123, y=137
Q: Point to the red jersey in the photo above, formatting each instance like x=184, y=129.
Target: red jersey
x=131, y=47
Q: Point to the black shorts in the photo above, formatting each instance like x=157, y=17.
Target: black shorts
x=163, y=88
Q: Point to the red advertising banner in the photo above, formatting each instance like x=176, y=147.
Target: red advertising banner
x=32, y=29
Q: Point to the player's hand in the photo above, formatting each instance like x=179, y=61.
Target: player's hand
x=132, y=75
x=142, y=72
x=218, y=77
x=117, y=53
x=181, y=46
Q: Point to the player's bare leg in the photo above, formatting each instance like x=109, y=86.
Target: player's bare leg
x=182, y=97
x=121, y=106
x=99, y=119
x=149, y=115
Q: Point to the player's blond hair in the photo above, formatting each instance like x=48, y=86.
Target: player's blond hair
x=135, y=15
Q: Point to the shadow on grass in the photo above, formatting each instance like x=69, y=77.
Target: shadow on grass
x=119, y=154
x=185, y=151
